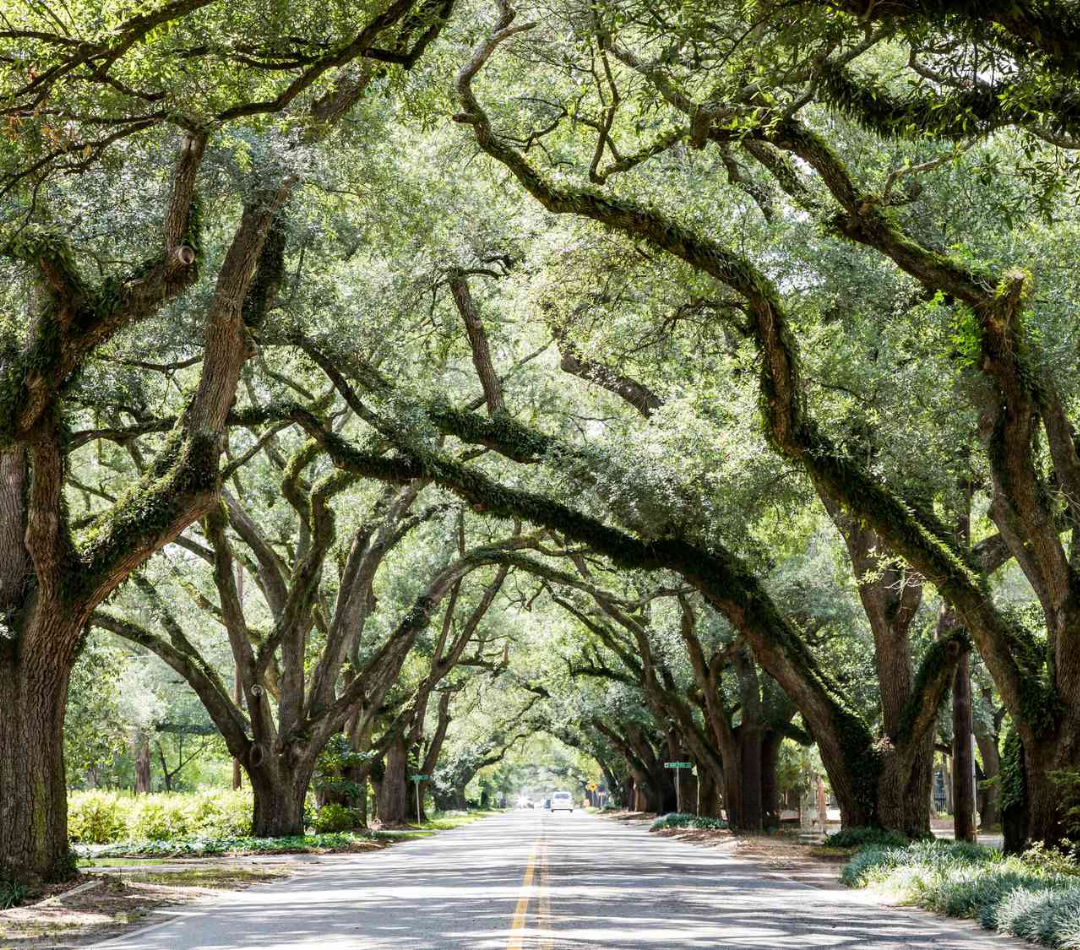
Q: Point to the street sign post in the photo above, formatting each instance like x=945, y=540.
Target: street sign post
x=678, y=766
x=416, y=780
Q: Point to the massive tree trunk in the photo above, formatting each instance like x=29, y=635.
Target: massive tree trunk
x=393, y=789
x=750, y=751
x=904, y=788
x=1031, y=804
x=770, y=756
x=33, y=786
x=279, y=798
x=1043, y=806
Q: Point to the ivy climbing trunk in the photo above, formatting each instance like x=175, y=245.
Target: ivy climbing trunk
x=990, y=788
x=1045, y=807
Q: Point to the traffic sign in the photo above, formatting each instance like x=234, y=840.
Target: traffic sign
x=592, y=786
x=418, y=778
x=678, y=765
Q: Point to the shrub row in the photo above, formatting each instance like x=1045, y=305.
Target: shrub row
x=678, y=819
x=1035, y=896
x=99, y=817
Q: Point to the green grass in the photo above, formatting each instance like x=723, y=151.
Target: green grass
x=94, y=862
x=1035, y=896
x=399, y=834
x=208, y=877
x=446, y=821
x=12, y=894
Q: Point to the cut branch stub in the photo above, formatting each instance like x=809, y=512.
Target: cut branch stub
x=185, y=254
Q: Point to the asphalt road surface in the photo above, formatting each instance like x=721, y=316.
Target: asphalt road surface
x=537, y=880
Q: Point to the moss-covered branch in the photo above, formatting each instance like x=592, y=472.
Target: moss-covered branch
x=932, y=683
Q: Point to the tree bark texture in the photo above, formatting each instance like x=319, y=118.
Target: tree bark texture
x=963, y=756
x=142, y=762
x=394, y=788
x=33, y=785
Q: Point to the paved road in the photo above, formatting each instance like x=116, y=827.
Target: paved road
x=535, y=880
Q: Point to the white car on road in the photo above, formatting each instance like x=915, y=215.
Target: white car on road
x=562, y=801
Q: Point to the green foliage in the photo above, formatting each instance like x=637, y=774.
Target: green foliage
x=1013, y=782
x=1067, y=782
x=677, y=819
x=233, y=844
x=1032, y=896
x=865, y=836
x=330, y=767
x=98, y=817
x=334, y=817
x=12, y=893
x=1053, y=860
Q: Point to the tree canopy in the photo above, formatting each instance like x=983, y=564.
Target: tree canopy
x=390, y=388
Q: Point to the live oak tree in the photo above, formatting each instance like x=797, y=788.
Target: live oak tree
x=128, y=92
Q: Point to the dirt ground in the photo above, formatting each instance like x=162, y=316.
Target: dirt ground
x=780, y=853
x=100, y=905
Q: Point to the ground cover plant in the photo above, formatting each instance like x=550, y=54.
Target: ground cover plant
x=240, y=844
x=677, y=819
x=1035, y=895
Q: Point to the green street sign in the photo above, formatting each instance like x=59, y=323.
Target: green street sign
x=419, y=777
x=678, y=765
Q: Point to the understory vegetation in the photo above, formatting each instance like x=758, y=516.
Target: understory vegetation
x=235, y=844
x=1035, y=895
x=677, y=819
x=101, y=817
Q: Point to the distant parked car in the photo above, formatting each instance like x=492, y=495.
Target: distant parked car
x=562, y=801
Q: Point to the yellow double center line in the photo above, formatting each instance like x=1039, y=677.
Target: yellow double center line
x=535, y=867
